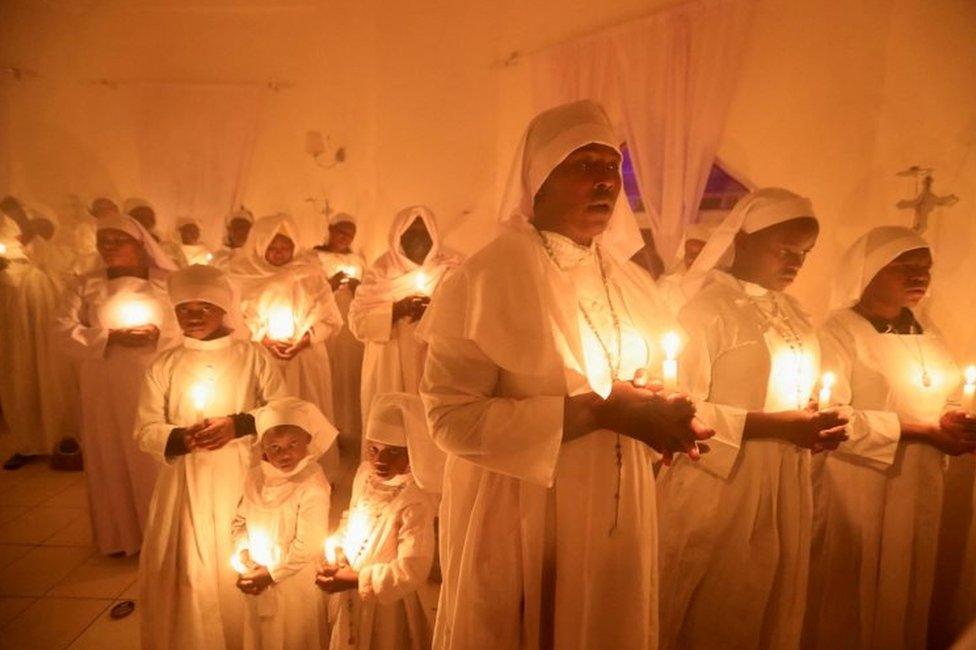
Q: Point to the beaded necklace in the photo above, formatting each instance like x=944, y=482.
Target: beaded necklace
x=782, y=325
x=612, y=363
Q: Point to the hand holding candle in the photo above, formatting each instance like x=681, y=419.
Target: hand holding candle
x=671, y=344
x=133, y=314
x=201, y=395
x=827, y=382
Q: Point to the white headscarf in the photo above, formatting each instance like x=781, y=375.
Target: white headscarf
x=10, y=234
x=757, y=210
x=395, y=276
x=870, y=253
x=203, y=283
x=398, y=419
x=252, y=268
x=550, y=137
x=341, y=217
x=128, y=225
x=239, y=213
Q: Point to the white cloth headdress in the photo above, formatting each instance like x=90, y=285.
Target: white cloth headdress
x=870, y=253
x=240, y=213
x=252, y=265
x=398, y=419
x=304, y=415
x=203, y=283
x=342, y=217
x=757, y=210
x=550, y=137
x=133, y=228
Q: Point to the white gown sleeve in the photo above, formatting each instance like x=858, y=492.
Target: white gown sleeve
x=313, y=517
x=73, y=334
x=270, y=382
x=388, y=582
x=374, y=324
x=518, y=437
x=873, y=436
x=695, y=376
x=152, y=429
x=328, y=319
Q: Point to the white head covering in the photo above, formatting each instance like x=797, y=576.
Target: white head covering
x=239, y=213
x=186, y=221
x=550, y=137
x=128, y=225
x=341, y=217
x=251, y=264
x=870, y=253
x=299, y=413
x=203, y=283
x=10, y=235
x=398, y=419
x=708, y=222
x=757, y=210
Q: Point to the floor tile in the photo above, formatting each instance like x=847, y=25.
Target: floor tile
x=11, y=552
x=37, y=524
x=37, y=489
x=11, y=607
x=107, y=633
x=34, y=573
x=76, y=533
x=132, y=591
x=9, y=513
x=99, y=577
x=74, y=496
x=51, y=623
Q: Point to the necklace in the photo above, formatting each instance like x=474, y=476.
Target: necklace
x=777, y=319
x=612, y=363
x=920, y=356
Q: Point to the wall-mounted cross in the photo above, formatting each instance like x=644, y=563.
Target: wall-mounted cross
x=925, y=200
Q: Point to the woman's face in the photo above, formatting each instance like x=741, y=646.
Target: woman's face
x=119, y=249
x=280, y=251
x=190, y=233
x=904, y=281
x=341, y=236
x=578, y=197
x=772, y=257
x=237, y=231
x=416, y=241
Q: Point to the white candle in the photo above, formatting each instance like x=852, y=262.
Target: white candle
x=134, y=314
x=420, y=282
x=969, y=391
x=236, y=562
x=3, y=248
x=201, y=393
x=281, y=324
x=262, y=549
x=826, y=384
x=332, y=545
x=671, y=343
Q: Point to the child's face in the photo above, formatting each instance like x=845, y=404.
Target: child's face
x=387, y=460
x=199, y=320
x=285, y=445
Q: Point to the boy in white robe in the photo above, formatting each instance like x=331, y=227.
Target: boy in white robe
x=879, y=497
x=391, y=301
x=735, y=539
x=344, y=268
x=385, y=546
x=114, y=321
x=280, y=528
x=237, y=227
x=196, y=418
x=289, y=308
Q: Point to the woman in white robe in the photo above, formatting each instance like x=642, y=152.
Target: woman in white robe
x=82, y=236
x=391, y=300
x=548, y=519
x=143, y=212
x=30, y=400
x=188, y=234
x=289, y=308
x=282, y=522
x=878, y=498
x=344, y=268
x=735, y=528
x=186, y=582
x=114, y=321
x=387, y=539
x=237, y=227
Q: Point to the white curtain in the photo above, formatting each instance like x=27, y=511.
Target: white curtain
x=666, y=80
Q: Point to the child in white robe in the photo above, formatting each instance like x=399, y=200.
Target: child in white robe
x=114, y=321
x=280, y=527
x=385, y=546
x=196, y=417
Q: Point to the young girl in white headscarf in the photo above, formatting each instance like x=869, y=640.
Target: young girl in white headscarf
x=115, y=320
x=344, y=268
x=878, y=497
x=196, y=418
x=384, y=547
x=280, y=528
x=735, y=528
x=289, y=308
x=392, y=299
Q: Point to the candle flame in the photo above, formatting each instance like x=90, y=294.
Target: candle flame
x=357, y=533
x=421, y=282
x=828, y=380
x=209, y=258
x=262, y=549
x=134, y=314
x=971, y=375
x=281, y=323
x=236, y=562
x=332, y=545
x=671, y=343
x=3, y=248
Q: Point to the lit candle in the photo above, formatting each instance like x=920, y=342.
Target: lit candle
x=3, y=248
x=332, y=545
x=671, y=343
x=281, y=324
x=420, y=282
x=209, y=258
x=262, y=549
x=827, y=381
x=201, y=394
x=356, y=535
x=134, y=314
x=969, y=391
x=236, y=562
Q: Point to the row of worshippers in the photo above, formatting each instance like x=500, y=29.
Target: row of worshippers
x=590, y=500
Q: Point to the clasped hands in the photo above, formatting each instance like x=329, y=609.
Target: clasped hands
x=333, y=578
x=411, y=307
x=286, y=350
x=209, y=434
x=257, y=579
x=134, y=337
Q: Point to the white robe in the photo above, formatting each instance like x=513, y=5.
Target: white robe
x=735, y=526
x=120, y=476
x=196, y=254
x=186, y=582
x=345, y=352
x=293, y=513
x=526, y=549
x=392, y=560
x=877, y=501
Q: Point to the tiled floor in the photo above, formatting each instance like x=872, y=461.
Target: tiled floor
x=55, y=590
